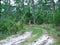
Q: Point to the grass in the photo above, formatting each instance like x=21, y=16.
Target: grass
x=5, y=35
x=52, y=31
x=33, y=28
x=36, y=33
x=57, y=40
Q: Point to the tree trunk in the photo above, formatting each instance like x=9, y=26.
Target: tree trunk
x=33, y=11
x=59, y=3
x=0, y=9
x=53, y=8
x=9, y=10
x=22, y=19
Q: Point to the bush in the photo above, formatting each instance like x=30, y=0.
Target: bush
x=39, y=19
x=7, y=26
x=28, y=17
x=57, y=18
x=57, y=21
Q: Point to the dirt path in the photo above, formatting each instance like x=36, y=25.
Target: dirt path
x=45, y=39
x=15, y=40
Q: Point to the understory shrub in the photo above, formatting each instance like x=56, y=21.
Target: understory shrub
x=39, y=19
x=57, y=21
x=10, y=27
x=57, y=17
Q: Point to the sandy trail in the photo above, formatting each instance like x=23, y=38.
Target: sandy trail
x=43, y=40
x=15, y=40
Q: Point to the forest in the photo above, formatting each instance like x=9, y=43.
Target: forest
x=34, y=19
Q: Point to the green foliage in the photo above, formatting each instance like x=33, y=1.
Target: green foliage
x=6, y=26
x=9, y=27
x=19, y=25
x=28, y=16
x=57, y=21
x=57, y=17
x=39, y=19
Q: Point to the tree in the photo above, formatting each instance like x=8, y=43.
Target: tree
x=59, y=3
x=33, y=7
x=22, y=19
x=53, y=8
